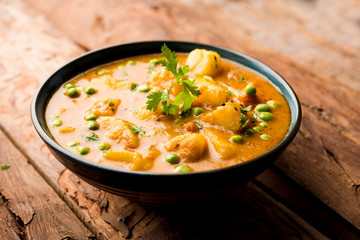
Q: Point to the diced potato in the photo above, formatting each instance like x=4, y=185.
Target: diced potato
x=227, y=117
x=222, y=145
x=142, y=113
x=66, y=129
x=105, y=107
x=190, y=146
x=204, y=62
x=147, y=162
x=162, y=79
x=211, y=94
x=122, y=156
x=112, y=83
x=118, y=129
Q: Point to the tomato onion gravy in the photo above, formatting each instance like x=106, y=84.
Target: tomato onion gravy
x=109, y=115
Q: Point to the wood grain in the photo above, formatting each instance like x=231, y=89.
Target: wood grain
x=29, y=207
x=28, y=55
x=314, y=45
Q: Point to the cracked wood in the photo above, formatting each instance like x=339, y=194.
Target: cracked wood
x=28, y=203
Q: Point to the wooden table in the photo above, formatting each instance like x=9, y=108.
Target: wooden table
x=310, y=193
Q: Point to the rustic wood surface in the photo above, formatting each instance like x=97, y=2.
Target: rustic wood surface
x=311, y=192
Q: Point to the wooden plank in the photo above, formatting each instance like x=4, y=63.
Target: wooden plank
x=247, y=212
x=107, y=215
x=28, y=203
x=323, y=158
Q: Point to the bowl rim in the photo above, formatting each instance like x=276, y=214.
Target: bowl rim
x=283, y=143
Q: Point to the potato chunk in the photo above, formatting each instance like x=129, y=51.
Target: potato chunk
x=211, y=94
x=190, y=146
x=109, y=82
x=204, y=62
x=227, y=117
x=105, y=107
x=118, y=129
x=139, y=163
x=222, y=145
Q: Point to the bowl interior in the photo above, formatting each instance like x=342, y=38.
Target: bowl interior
x=113, y=53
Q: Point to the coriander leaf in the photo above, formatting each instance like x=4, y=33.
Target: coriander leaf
x=247, y=109
x=230, y=93
x=136, y=129
x=185, y=97
x=91, y=137
x=171, y=63
x=198, y=125
x=154, y=100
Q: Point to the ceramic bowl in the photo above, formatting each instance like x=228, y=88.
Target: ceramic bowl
x=159, y=188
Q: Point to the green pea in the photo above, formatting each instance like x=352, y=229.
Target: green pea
x=143, y=88
x=69, y=85
x=73, y=144
x=83, y=150
x=56, y=122
x=130, y=62
x=266, y=116
x=249, y=132
x=90, y=90
x=172, y=158
x=197, y=111
x=154, y=61
x=257, y=128
x=177, y=121
x=237, y=139
x=263, y=124
x=250, y=90
x=92, y=125
x=273, y=104
x=265, y=137
x=262, y=108
x=103, y=146
x=90, y=117
x=181, y=169
x=72, y=92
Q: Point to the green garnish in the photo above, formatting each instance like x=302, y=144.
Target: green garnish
x=133, y=86
x=198, y=125
x=91, y=137
x=241, y=79
x=5, y=166
x=139, y=130
x=111, y=104
x=243, y=120
x=230, y=93
x=186, y=96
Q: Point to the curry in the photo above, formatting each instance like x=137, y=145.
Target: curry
x=169, y=113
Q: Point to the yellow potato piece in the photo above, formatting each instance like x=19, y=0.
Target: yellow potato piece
x=147, y=162
x=122, y=156
x=226, y=117
x=105, y=107
x=211, y=94
x=112, y=83
x=222, y=146
x=118, y=129
x=204, y=62
x=66, y=129
x=190, y=146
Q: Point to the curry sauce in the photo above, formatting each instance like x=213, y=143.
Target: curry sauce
x=102, y=115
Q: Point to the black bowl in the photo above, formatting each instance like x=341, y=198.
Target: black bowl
x=158, y=188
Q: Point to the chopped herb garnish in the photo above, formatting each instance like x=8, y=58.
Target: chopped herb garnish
x=230, y=93
x=111, y=104
x=216, y=63
x=198, y=125
x=241, y=79
x=247, y=109
x=55, y=116
x=100, y=72
x=187, y=96
x=91, y=137
x=5, y=166
x=124, y=74
x=136, y=129
x=229, y=84
x=220, y=85
x=133, y=86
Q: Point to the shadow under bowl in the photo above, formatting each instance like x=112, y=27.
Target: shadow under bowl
x=159, y=188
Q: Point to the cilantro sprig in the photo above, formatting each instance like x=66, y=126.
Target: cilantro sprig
x=187, y=96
